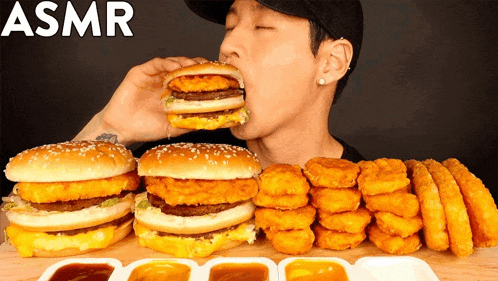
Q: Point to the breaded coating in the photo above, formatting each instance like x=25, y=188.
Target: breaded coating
x=291, y=242
x=481, y=207
x=274, y=219
x=352, y=221
x=382, y=176
x=282, y=202
x=399, y=203
x=331, y=172
x=48, y=192
x=335, y=240
x=431, y=208
x=335, y=200
x=457, y=220
x=201, y=192
x=283, y=179
x=394, y=245
x=399, y=226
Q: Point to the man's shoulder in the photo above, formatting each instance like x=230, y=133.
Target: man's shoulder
x=350, y=153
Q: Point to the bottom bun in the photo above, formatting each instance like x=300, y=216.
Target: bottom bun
x=189, y=247
x=201, y=123
x=39, y=244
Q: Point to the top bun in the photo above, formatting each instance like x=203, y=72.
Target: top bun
x=70, y=161
x=212, y=67
x=199, y=161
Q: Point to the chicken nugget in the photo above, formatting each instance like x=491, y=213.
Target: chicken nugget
x=481, y=207
x=283, y=202
x=352, y=221
x=382, y=176
x=335, y=200
x=457, y=220
x=274, y=219
x=283, y=179
x=399, y=226
x=399, y=203
x=291, y=242
x=395, y=245
x=431, y=208
x=335, y=240
x=331, y=172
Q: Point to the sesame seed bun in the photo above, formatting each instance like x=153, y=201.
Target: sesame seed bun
x=70, y=161
x=199, y=161
x=212, y=67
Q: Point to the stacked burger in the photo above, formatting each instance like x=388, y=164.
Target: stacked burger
x=71, y=198
x=198, y=198
x=284, y=214
x=341, y=220
x=387, y=193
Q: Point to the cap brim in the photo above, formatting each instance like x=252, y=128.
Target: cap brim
x=214, y=11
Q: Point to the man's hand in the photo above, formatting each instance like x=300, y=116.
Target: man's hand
x=135, y=112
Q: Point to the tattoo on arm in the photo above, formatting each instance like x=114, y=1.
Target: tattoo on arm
x=108, y=137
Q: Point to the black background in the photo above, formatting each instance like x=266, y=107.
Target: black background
x=425, y=85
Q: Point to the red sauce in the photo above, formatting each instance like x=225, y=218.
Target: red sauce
x=83, y=272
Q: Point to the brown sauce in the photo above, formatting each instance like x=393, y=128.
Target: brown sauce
x=239, y=272
x=83, y=272
x=160, y=270
x=306, y=270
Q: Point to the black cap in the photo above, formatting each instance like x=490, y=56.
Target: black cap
x=340, y=18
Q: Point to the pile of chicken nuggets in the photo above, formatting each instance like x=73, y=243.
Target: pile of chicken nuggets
x=336, y=204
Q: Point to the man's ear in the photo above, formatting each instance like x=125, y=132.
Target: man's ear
x=334, y=58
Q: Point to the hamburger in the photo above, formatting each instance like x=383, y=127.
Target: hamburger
x=70, y=198
x=198, y=198
x=205, y=96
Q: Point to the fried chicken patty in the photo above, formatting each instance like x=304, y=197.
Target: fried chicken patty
x=331, y=172
x=48, y=192
x=283, y=179
x=382, y=176
x=199, y=83
x=201, y=192
x=274, y=219
x=186, y=210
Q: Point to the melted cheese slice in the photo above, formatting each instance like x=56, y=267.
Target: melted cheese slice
x=197, y=123
x=185, y=247
x=27, y=241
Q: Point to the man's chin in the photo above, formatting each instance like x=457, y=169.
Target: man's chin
x=242, y=132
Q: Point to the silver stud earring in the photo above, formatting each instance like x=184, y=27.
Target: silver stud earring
x=321, y=81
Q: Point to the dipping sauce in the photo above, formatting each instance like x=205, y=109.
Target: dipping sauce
x=239, y=272
x=161, y=270
x=307, y=270
x=83, y=272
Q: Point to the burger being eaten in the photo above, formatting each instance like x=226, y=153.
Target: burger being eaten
x=198, y=198
x=71, y=198
x=205, y=96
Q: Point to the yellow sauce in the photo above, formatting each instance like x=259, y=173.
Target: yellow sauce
x=239, y=272
x=160, y=270
x=307, y=270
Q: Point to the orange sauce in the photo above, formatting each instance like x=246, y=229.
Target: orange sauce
x=239, y=272
x=160, y=270
x=307, y=270
x=83, y=272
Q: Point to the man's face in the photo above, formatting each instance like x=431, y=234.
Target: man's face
x=272, y=51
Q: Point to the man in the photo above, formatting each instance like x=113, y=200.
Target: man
x=294, y=56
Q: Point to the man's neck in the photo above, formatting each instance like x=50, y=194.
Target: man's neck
x=295, y=147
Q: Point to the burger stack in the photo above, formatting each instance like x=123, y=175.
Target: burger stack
x=386, y=190
x=198, y=198
x=71, y=198
x=341, y=220
x=284, y=214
